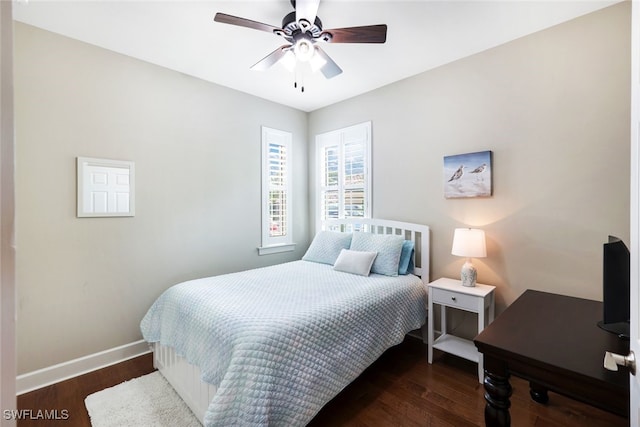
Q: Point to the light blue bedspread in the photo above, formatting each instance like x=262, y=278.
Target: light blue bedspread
x=280, y=342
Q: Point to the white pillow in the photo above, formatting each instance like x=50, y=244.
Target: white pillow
x=355, y=262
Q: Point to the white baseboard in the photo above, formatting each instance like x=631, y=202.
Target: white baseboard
x=73, y=368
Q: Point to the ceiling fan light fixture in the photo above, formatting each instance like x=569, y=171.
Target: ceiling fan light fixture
x=289, y=61
x=316, y=62
x=304, y=50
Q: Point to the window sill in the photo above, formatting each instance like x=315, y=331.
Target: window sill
x=276, y=249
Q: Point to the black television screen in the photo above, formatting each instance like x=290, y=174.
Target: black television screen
x=615, y=287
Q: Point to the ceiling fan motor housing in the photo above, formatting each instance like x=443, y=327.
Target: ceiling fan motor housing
x=290, y=26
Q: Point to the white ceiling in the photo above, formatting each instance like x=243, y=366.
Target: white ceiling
x=182, y=36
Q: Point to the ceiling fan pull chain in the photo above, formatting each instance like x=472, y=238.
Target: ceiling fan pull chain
x=298, y=76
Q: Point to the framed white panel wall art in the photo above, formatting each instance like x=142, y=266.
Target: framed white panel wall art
x=106, y=188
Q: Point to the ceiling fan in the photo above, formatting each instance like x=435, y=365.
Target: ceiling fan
x=302, y=29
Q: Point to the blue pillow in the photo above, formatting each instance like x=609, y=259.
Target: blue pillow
x=388, y=247
x=326, y=247
x=406, y=258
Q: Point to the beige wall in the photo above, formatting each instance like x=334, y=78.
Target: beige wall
x=84, y=284
x=554, y=109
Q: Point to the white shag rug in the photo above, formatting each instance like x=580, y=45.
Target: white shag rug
x=145, y=401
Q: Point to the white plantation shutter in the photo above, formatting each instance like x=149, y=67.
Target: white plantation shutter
x=330, y=194
x=345, y=179
x=276, y=187
x=277, y=203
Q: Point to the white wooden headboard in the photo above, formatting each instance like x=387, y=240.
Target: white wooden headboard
x=417, y=233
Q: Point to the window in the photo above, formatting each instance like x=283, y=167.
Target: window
x=276, y=191
x=344, y=158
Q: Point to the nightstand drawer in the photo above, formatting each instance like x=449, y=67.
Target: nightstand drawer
x=455, y=299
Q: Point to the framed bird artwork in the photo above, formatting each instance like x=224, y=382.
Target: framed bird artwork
x=468, y=175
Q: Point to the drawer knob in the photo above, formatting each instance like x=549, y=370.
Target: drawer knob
x=453, y=298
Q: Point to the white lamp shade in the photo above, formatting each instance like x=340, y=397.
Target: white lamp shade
x=469, y=242
x=304, y=50
x=289, y=61
x=316, y=61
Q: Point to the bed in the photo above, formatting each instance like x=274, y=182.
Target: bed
x=271, y=346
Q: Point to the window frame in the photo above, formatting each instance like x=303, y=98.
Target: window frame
x=276, y=244
x=340, y=138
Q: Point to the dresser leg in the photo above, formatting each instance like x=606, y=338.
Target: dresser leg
x=497, y=394
x=538, y=393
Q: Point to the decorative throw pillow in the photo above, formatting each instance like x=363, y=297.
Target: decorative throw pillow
x=355, y=262
x=406, y=258
x=326, y=247
x=388, y=247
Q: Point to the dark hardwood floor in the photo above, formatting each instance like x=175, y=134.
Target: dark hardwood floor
x=400, y=389
x=69, y=395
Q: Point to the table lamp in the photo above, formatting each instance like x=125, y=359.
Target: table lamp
x=469, y=243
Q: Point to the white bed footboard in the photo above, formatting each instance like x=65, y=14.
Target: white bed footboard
x=184, y=378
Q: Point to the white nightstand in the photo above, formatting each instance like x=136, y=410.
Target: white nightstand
x=479, y=299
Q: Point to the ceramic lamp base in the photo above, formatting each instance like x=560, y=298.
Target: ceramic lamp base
x=468, y=274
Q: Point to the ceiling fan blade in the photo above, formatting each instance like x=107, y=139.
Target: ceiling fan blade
x=243, y=22
x=307, y=9
x=330, y=69
x=271, y=59
x=366, y=34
